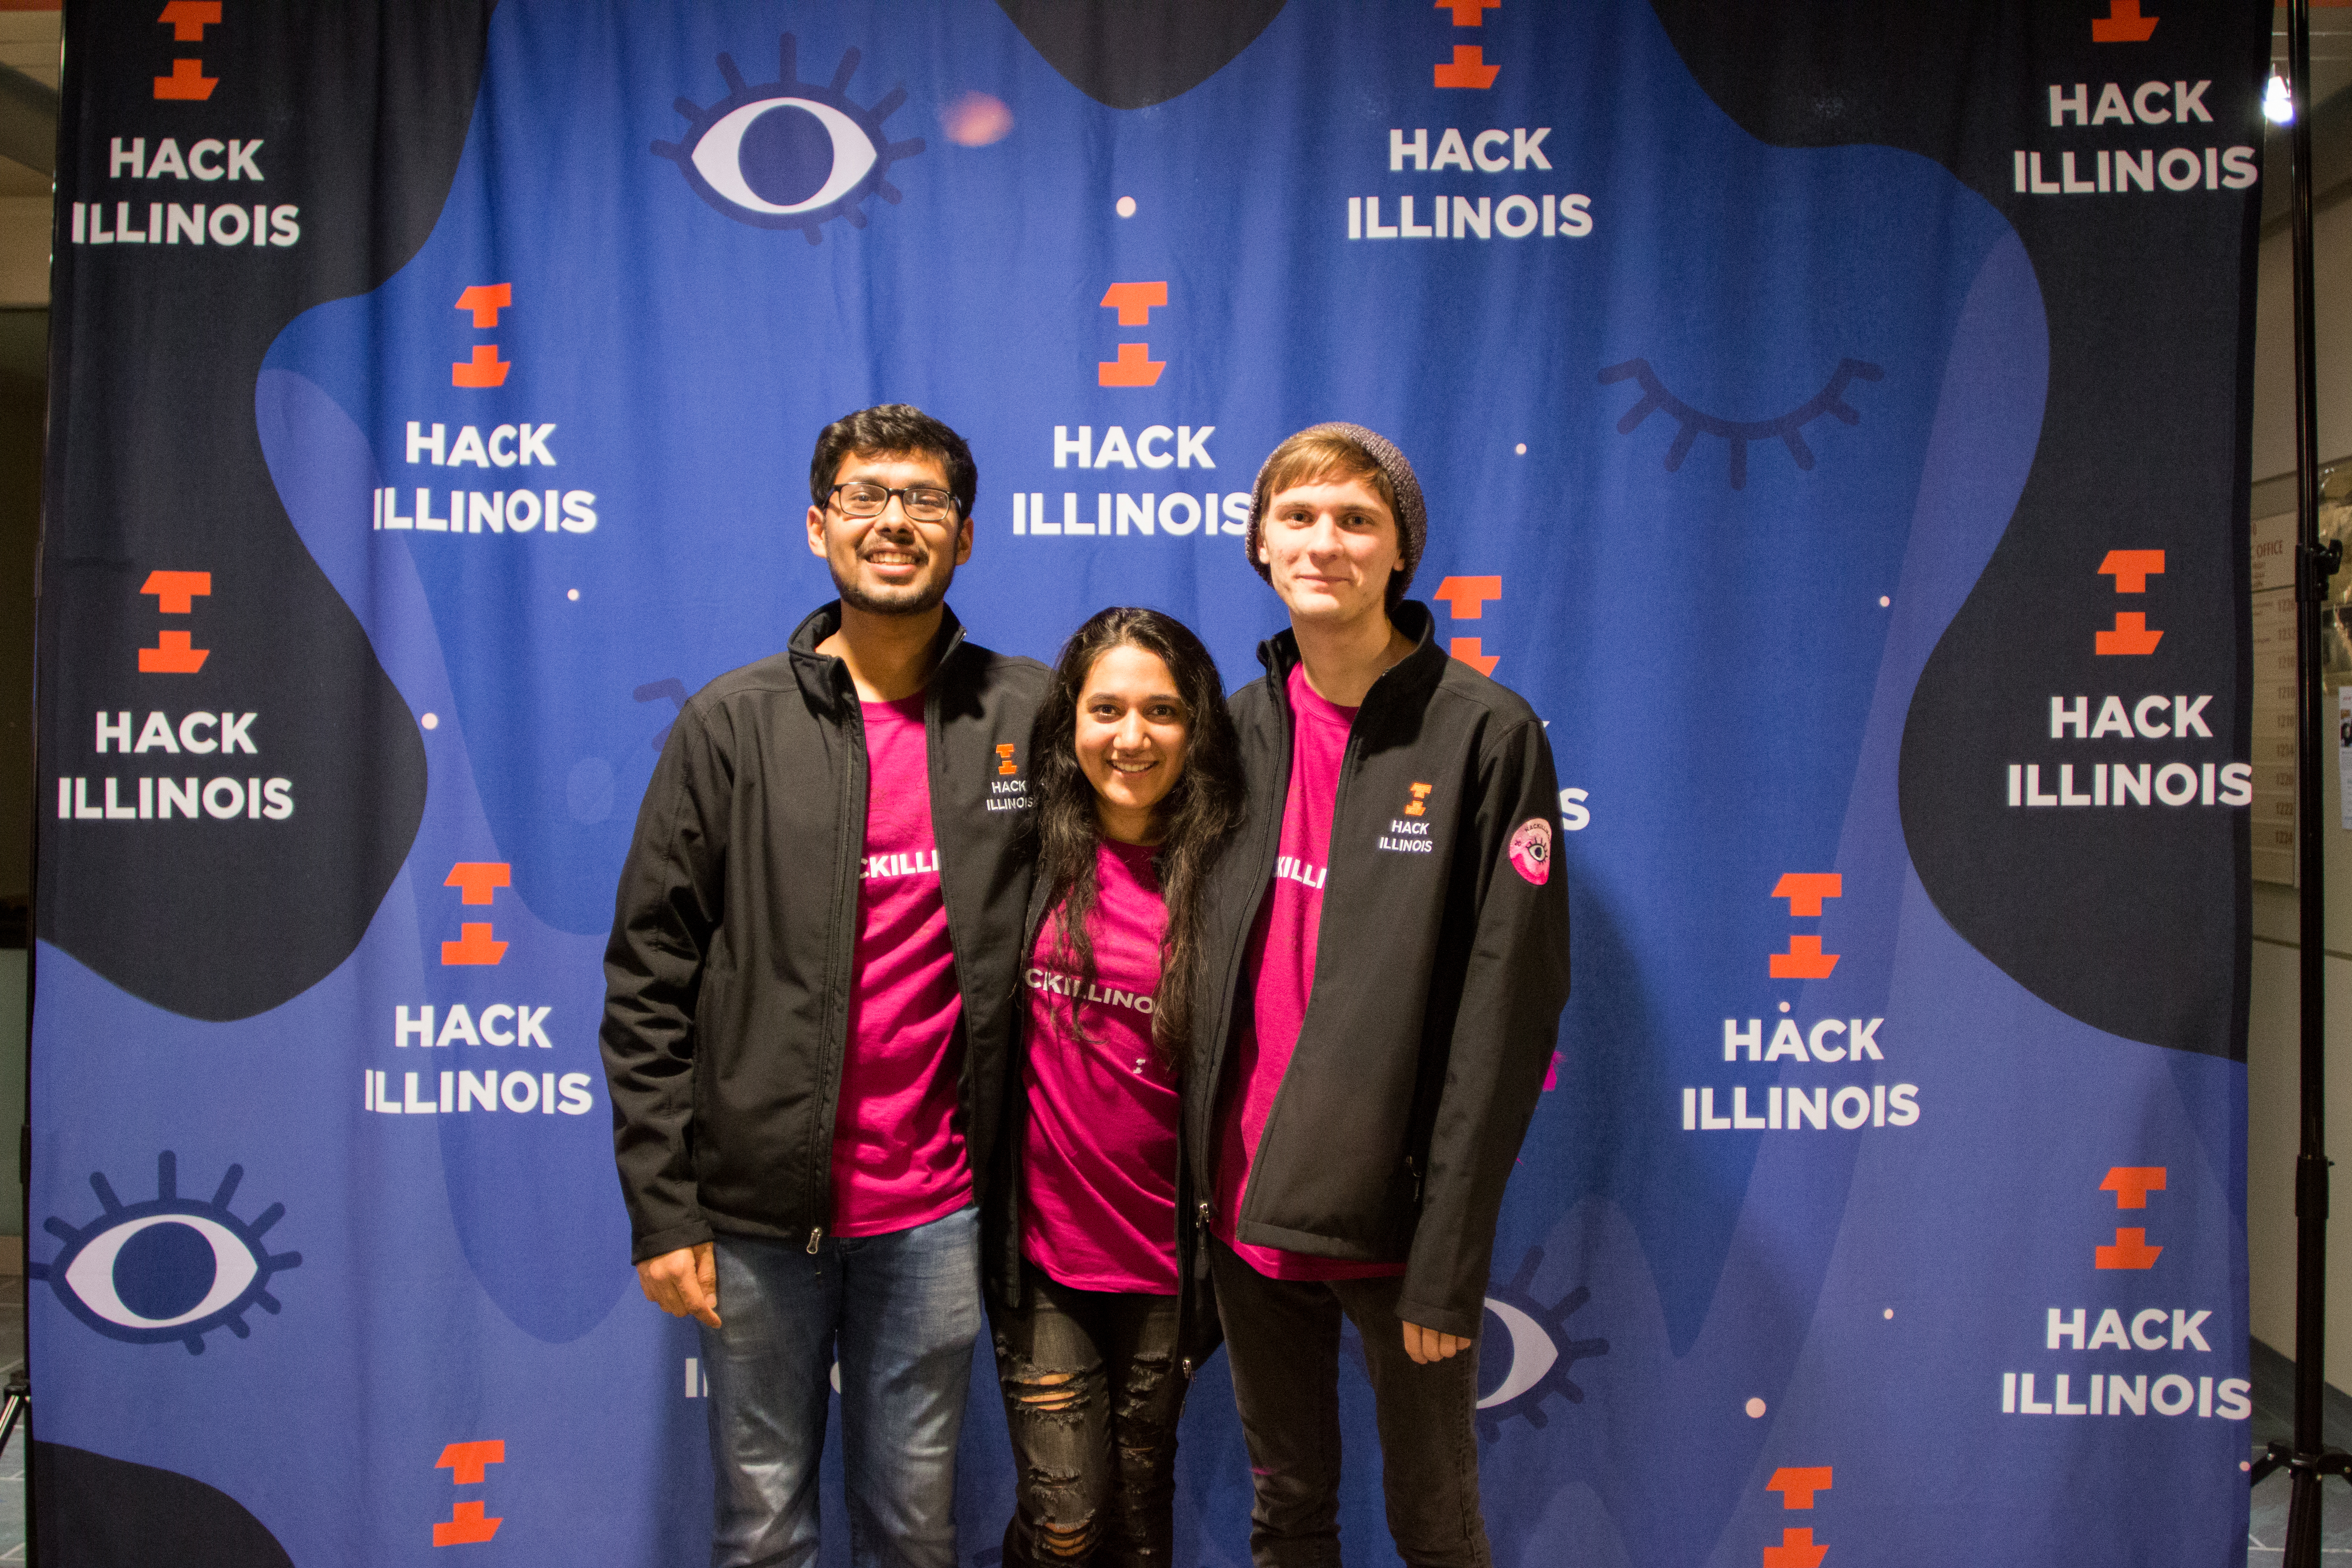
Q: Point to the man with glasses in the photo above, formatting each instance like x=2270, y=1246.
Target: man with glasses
x=809, y=985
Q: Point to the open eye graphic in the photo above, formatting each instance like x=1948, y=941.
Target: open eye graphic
x=789, y=154
x=1788, y=428
x=1531, y=1356
x=169, y=1270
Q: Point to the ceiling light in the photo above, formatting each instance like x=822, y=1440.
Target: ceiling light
x=2278, y=104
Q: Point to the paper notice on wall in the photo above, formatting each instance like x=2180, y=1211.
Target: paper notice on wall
x=2344, y=751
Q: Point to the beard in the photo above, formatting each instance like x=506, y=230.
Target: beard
x=916, y=598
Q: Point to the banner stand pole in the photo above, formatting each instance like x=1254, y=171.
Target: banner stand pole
x=2308, y=1459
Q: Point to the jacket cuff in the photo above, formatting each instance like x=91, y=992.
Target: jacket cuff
x=1444, y=1320
x=694, y=1233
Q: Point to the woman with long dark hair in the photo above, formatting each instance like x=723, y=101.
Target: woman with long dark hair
x=1136, y=785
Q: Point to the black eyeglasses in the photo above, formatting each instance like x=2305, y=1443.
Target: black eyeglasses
x=921, y=503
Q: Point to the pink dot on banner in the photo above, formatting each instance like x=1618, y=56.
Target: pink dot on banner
x=431, y=721
x=975, y=119
x=1755, y=1408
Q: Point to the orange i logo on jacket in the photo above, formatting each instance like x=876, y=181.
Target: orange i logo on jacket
x=1006, y=766
x=1419, y=804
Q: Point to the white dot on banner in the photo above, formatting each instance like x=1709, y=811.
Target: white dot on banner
x=1125, y=207
x=2245, y=1464
x=1784, y=1006
x=1522, y=448
x=572, y=594
x=1884, y=601
x=1890, y=1313
x=1755, y=1408
x=431, y=721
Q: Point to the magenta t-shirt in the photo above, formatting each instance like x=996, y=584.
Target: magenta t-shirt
x=1279, y=975
x=1099, y=1161
x=897, y=1160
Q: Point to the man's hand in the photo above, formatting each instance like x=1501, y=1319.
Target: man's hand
x=685, y=1284
x=1425, y=1345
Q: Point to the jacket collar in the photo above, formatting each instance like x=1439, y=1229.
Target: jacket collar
x=824, y=679
x=1411, y=678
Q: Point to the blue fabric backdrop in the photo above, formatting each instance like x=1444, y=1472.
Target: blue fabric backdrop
x=1777, y=424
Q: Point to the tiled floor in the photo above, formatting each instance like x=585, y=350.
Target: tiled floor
x=2274, y=1418
x=12, y=1457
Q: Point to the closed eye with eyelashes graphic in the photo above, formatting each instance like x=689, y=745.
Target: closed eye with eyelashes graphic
x=1788, y=428
x=790, y=154
x=171, y=1268
x=1535, y=1353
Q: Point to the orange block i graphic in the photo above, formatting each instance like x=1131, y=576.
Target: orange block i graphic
x=1805, y=891
x=188, y=82
x=2131, y=1185
x=1797, y=1549
x=188, y=19
x=466, y=1463
x=477, y=881
x=1468, y=70
x=1466, y=600
x=1134, y=366
x=2123, y=24
x=2131, y=568
x=1797, y=1484
x=484, y=369
x=176, y=594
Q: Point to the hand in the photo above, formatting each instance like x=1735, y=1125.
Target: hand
x=685, y=1284
x=1427, y=1345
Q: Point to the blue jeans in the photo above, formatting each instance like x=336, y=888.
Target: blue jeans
x=904, y=1310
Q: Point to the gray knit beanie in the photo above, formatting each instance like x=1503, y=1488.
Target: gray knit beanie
x=1412, y=514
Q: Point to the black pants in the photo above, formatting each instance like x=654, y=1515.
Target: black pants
x=1281, y=1341
x=1092, y=1391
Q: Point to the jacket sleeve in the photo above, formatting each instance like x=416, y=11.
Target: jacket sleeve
x=665, y=917
x=1505, y=1027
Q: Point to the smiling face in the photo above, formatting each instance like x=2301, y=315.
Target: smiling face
x=890, y=564
x=1330, y=547
x=1132, y=729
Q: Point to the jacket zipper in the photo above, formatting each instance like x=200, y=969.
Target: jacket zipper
x=1347, y=766
x=816, y=1236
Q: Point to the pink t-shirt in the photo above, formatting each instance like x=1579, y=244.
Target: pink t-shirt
x=1278, y=977
x=897, y=1160
x=1099, y=1161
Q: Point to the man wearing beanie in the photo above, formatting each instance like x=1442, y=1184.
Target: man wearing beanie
x=1387, y=967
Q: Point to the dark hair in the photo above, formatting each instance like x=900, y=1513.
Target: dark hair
x=896, y=428
x=1195, y=817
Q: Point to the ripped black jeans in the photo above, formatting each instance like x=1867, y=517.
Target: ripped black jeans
x=1092, y=1391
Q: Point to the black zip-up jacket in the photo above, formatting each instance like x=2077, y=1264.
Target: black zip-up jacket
x=728, y=974
x=1439, y=979
x=1198, y=1331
